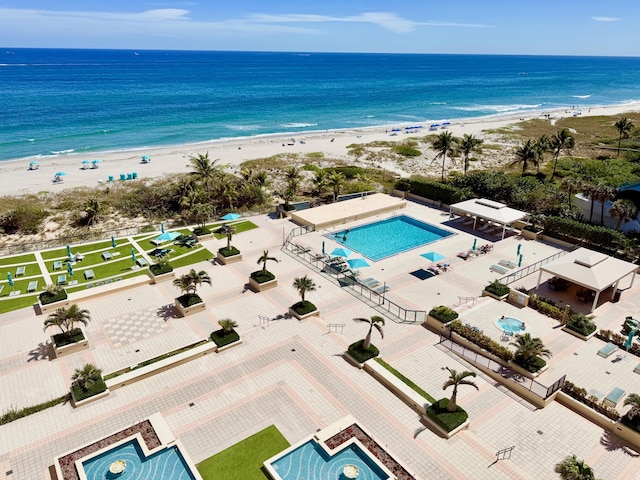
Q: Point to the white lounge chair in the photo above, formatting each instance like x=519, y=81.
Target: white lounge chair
x=499, y=269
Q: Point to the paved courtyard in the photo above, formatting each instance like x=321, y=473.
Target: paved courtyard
x=292, y=374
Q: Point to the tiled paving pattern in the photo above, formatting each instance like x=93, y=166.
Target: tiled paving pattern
x=133, y=327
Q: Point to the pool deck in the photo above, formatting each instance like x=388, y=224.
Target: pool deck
x=291, y=374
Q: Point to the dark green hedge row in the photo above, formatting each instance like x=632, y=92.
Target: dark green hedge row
x=443, y=314
x=433, y=190
x=360, y=354
x=222, y=338
x=262, y=277
x=13, y=414
x=580, y=232
x=72, y=336
x=481, y=340
x=302, y=308
x=189, y=299
x=448, y=420
x=46, y=298
x=228, y=252
x=160, y=269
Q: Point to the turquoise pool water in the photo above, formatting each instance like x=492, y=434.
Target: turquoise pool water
x=167, y=464
x=511, y=324
x=389, y=237
x=310, y=462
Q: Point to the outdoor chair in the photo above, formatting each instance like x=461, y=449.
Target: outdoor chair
x=635, y=370
x=507, y=263
x=498, y=269
x=369, y=282
x=142, y=262
x=106, y=256
x=614, y=397
x=57, y=265
x=607, y=350
x=62, y=279
x=20, y=271
x=382, y=289
x=88, y=274
x=33, y=286
x=123, y=176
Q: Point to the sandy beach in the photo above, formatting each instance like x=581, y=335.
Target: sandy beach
x=16, y=178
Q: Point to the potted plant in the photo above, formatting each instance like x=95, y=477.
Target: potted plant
x=226, y=336
x=229, y=254
x=304, y=308
x=533, y=231
x=71, y=338
x=52, y=298
x=439, y=317
x=190, y=302
x=87, y=383
x=363, y=350
x=445, y=414
x=527, y=359
x=263, y=279
x=581, y=326
x=573, y=469
x=161, y=270
x=497, y=290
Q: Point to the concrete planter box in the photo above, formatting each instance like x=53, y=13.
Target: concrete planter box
x=441, y=431
x=184, y=311
x=51, y=307
x=261, y=287
x=353, y=361
x=206, y=236
x=529, y=235
x=227, y=260
x=163, y=277
x=436, y=325
x=228, y=346
x=589, y=413
x=293, y=313
x=65, y=350
x=86, y=401
x=579, y=335
x=524, y=372
x=460, y=340
x=397, y=386
x=501, y=298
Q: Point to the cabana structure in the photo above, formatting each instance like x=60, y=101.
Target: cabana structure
x=592, y=270
x=495, y=212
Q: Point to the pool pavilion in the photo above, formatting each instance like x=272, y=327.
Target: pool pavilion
x=489, y=210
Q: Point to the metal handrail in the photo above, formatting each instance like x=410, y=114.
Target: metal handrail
x=529, y=269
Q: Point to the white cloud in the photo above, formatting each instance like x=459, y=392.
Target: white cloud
x=606, y=19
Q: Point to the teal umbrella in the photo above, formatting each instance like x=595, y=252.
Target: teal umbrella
x=69, y=251
x=433, y=256
x=230, y=216
x=358, y=263
x=10, y=279
x=323, y=247
x=519, y=260
x=70, y=268
x=629, y=341
x=133, y=254
x=341, y=252
x=519, y=246
x=113, y=242
x=162, y=228
x=474, y=244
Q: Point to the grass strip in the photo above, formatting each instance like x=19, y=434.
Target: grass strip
x=14, y=414
x=18, y=260
x=240, y=227
x=405, y=380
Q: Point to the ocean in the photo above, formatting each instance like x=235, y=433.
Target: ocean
x=59, y=101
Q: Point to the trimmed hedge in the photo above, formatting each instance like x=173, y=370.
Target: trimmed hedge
x=581, y=232
x=406, y=381
x=222, y=338
x=302, y=308
x=533, y=367
x=199, y=231
x=443, y=313
x=228, y=252
x=433, y=190
x=47, y=298
x=262, y=277
x=72, y=336
x=497, y=288
x=591, y=401
x=82, y=394
x=360, y=354
x=448, y=420
x=189, y=299
x=160, y=269
x=13, y=414
x=481, y=341
x=581, y=325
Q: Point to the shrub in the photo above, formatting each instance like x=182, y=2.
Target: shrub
x=360, y=354
x=24, y=218
x=50, y=297
x=581, y=324
x=302, y=308
x=481, y=341
x=201, y=231
x=497, y=288
x=14, y=414
x=222, y=337
x=533, y=366
x=580, y=394
x=80, y=394
x=580, y=232
x=406, y=151
x=189, y=299
x=448, y=420
x=406, y=381
x=348, y=171
x=433, y=190
x=262, y=277
x=443, y=314
x=73, y=336
x=228, y=252
x=159, y=269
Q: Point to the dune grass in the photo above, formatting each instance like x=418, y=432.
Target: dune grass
x=243, y=461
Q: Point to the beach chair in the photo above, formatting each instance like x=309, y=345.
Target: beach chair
x=607, y=350
x=110, y=179
x=129, y=176
x=123, y=177
x=106, y=256
x=614, y=397
x=20, y=271
x=369, y=282
x=498, y=269
x=33, y=286
x=62, y=279
x=88, y=274
x=382, y=289
x=134, y=175
x=57, y=265
x=507, y=263
x=142, y=262
x=635, y=370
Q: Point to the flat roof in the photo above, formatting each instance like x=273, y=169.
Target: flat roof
x=489, y=209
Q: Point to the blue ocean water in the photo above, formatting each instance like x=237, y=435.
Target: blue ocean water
x=61, y=101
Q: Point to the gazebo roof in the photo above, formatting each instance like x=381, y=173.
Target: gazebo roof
x=590, y=269
x=493, y=211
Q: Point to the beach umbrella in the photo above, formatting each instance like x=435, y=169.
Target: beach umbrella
x=146, y=158
x=231, y=216
x=358, y=263
x=86, y=162
x=69, y=251
x=519, y=260
x=474, y=244
x=33, y=163
x=70, y=268
x=432, y=256
x=133, y=254
x=162, y=228
x=95, y=162
x=341, y=252
x=113, y=242
x=629, y=341
x=323, y=247
x=519, y=246
x=10, y=279
x=61, y=174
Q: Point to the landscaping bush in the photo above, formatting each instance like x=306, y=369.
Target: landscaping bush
x=581, y=324
x=497, y=288
x=481, y=341
x=262, y=277
x=47, y=298
x=73, y=336
x=619, y=340
x=80, y=393
x=406, y=381
x=433, y=190
x=302, y=308
x=533, y=366
x=189, y=299
x=360, y=354
x=448, y=420
x=348, y=171
x=199, y=231
x=228, y=252
x=564, y=228
x=406, y=151
x=222, y=337
x=13, y=414
x=580, y=394
x=161, y=268
x=443, y=314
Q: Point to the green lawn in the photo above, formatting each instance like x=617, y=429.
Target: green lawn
x=18, y=260
x=61, y=253
x=243, y=461
x=240, y=227
x=199, y=255
x=16, y=303
x=145, y=240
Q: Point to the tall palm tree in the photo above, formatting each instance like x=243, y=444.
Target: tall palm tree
x=201, y=213
x=571, y=186
x=335, y=181
x=624, y=126
x=590, y=191
x=455, y=380
x=529, y=152
x=443, y=144
x=190, y=282
x=633, y=414
x=227, y=324
x=320, y=182
x=562, y=140
x=66, y=319
x=543, y=144
x=87, y=376
x=529, y=348
x=376, y=322
x=227, y=190
x=624, y=210
x=264, y=259
x=304, y=285
x=293, y=178
x=204, y=169
x=467, y=145
x=573, y=469
x=604, y=193
x=92, y=210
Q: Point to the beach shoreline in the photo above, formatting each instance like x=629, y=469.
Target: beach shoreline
x=17, y=179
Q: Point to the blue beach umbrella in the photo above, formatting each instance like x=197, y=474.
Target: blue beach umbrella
x=86, y=162
x=60, y=174
x=341, y=252
x=519, y=260
x=10, y=279
x=33, y=163
x=162, y=228
x=113, y=242
x=358, y=263
x=70, y=268
x=231, y=216
x=432, y=256
x=474, y=244
x=69, y=251
x=519, y=246
x=629, y=341
x=133, y=254
x=145, y=158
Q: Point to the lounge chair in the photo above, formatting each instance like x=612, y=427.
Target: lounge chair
x=499, y=269
x=463, y=255
x=33, y=286
x=508, y=263
x=635, y=370
x=57, y=265
x=607, y=350
x=62, y=279
x=142, y=262
x=20, y=271
x=382, y=289
x=369, y=282
x=614, y=397
x=123, y=176
x=88, y=274
x=106, y=256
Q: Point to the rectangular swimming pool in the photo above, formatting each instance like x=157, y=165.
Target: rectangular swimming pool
x=389, y=237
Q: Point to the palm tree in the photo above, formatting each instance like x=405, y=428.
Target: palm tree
x=467, y=145
x=67, y=318
x=571, y=186
x=529, y=348
x=456, y=379
x=543, y=144
x=228, y=191
x=230, y=233
x=92, y=210
x=201, y=213
x=264, y=259
x=190, y=282
x=335, y=181
x=304, y=285
x=573, y=469
x=604, y=193
x=293, y=177
x=376, y=322
x=633, y=414
x=204, y=169
x=624, y=126
x=590, y=191
x=227, y=324
x=288, y=195
x=562, y=140
x=528, y=152
x=320, y=182
x=443, y=144
x=624, y=210
x=86, y=377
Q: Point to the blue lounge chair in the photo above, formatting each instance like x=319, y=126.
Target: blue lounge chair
x=134, y=175
x=20, y=271
x=62, y=279
x=57, y=265
x=88, y=274
x=614, y=397
x=123, y=176
x=499, y=269
x=607, y=350
x=33, y=286
x=106, y=256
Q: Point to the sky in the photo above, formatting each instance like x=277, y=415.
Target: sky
x=532, y=27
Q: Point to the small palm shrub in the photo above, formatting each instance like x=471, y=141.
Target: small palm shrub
x=580, y=394
x=161, y=266
x=52, y=293
x=497, y=288
x=581, y=324
x=443, y=313
x=226, y=334
x=87, y=382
